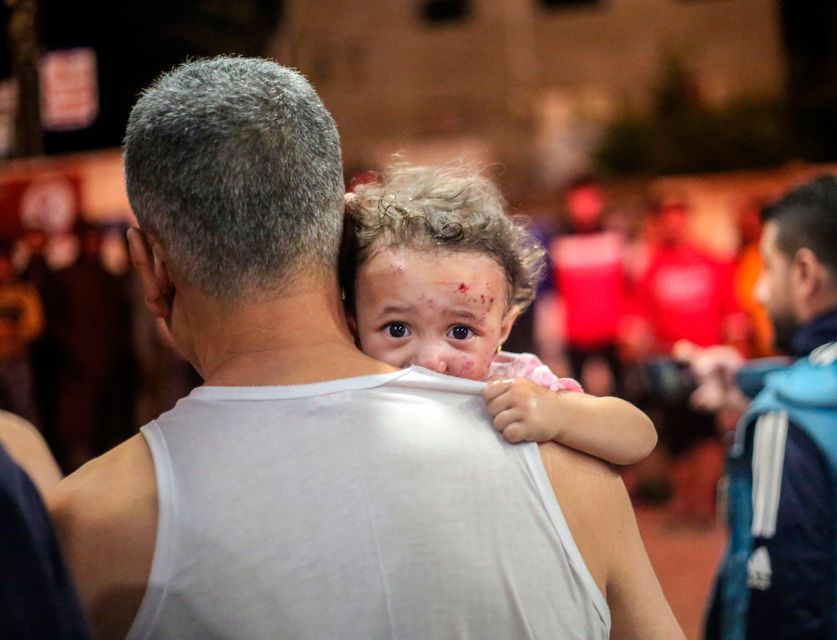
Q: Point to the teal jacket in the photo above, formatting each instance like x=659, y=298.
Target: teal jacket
x=799, y=399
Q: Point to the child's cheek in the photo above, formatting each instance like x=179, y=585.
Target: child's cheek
x=469, y=367
x=374, y=347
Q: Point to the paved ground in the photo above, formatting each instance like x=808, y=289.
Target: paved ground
x=685, y=560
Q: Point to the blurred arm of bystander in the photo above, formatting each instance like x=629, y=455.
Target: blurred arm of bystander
x=714, y=369
x=27, y=448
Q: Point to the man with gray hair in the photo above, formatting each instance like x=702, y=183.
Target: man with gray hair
x=306, y=490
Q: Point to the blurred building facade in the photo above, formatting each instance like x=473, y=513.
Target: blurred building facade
x=528, y=83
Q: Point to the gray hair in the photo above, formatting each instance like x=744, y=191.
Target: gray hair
x=234, y=165
x=450, y=208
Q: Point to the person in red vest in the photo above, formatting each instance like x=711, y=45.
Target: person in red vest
x=687, y=294
x=587, y=281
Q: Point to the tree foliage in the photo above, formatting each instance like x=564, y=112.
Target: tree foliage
x=682, y=134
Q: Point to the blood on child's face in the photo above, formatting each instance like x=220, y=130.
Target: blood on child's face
x=437, y=309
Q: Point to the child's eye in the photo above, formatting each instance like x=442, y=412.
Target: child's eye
x=397, y=329
x=460, y=332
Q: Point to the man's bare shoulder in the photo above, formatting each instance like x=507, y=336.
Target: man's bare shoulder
x=594, y=503
x=24, y=443
x=578, y=475
x=598, y=511
x=105, y=515
x=120, y=481
x=564, y=459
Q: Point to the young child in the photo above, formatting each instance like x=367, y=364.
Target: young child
x=437, y=275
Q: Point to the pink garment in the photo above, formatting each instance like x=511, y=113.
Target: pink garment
x=529, y=366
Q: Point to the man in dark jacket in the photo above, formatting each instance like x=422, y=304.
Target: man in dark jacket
x=778, y=579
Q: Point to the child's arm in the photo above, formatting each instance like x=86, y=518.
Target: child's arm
x=608, y=428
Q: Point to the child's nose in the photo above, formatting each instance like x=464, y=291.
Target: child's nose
x=433, y=359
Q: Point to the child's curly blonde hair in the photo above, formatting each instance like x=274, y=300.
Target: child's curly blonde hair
x=449, y=207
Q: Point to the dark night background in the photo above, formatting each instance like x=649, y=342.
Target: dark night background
x=135, y=40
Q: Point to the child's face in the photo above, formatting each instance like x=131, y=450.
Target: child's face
x=440, y=310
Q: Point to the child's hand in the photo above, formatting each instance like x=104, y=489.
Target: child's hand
x=517, y=406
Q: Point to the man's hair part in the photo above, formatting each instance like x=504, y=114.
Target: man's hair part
x=233, y=165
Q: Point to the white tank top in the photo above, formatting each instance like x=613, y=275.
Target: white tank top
x=374, y=507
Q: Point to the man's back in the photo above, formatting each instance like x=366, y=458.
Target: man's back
x=371, y=507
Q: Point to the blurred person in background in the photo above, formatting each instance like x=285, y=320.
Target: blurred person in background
x=24, y=443
x=581, y=306
x=96, y=367
x=37, y=598
x=685, y=294
x=21, y=322
x=34, y=267
x=30, y=257
x=748, y=267
x=778, y=578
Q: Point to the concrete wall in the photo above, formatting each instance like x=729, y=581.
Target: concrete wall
x=535, y=85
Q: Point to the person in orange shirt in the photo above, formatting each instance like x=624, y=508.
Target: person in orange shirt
x=748, y=268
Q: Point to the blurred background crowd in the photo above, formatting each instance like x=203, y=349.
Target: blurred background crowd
x=79, y=356
x=640, y=137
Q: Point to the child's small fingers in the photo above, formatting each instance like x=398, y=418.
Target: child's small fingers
x=494, y=388
x=499, y=404
x=514, y=433
x=504, y=418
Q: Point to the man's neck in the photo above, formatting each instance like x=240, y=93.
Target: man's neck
x=295, y=338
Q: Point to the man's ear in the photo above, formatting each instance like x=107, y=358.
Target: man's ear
x=508, y=322
x=154, y=277
x=351, y=320
x=809, y=273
